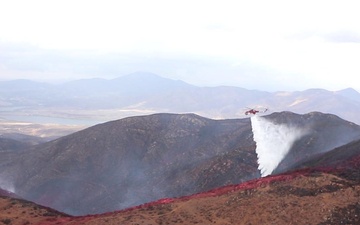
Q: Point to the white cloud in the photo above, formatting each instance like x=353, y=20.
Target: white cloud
x=314, y=40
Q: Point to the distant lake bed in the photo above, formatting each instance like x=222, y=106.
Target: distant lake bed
x=51, y=120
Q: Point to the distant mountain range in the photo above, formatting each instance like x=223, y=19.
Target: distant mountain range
x=135, y=160
x=91, y=101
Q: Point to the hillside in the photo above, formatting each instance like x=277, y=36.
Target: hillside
x=7, y=144
x=16, y=211
x=314, y=198
x=326, y=194
x=92, y=165
x=154, y=157
x=146, y=157
x=322, y=133
x=323, y=193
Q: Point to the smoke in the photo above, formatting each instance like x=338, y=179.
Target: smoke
x=7, y=186
x=273, y=142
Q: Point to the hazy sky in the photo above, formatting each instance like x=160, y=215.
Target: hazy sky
x=265, y=45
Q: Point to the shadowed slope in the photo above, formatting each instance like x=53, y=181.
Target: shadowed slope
x=16, y=211
x=314, y=195
x=135, y=160
x=325, y=191
x=322, y=133
x=328, y=194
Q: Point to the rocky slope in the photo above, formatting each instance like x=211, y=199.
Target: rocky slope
x=322, y=188
x=16, y=211
x=325, y=194
x=147, y=158
x=322, y=133
x=135, y=160
x=7, y=144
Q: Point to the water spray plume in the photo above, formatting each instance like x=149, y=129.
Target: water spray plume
x=273, y=142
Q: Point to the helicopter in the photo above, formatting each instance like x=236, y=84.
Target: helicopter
x=254, y=111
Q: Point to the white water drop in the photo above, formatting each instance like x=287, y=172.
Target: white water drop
x=273, y=142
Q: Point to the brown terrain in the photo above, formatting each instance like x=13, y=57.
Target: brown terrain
x=308, y=196
x=322, y=187
x=147, y=157
x=300, y=198
x=153, y=157
x=15, y=211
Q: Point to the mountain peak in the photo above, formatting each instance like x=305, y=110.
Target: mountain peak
x=150, y=77
x=141, y=74
x=349, y=93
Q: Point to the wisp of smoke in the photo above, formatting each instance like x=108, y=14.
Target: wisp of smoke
x=6, y=186
x=273, y=142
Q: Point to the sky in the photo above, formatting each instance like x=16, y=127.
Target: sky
x=265, y=45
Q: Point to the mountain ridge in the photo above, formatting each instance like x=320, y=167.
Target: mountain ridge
x=171, y=144
x=145, y=93
x=211, y=163
x=151, y=157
